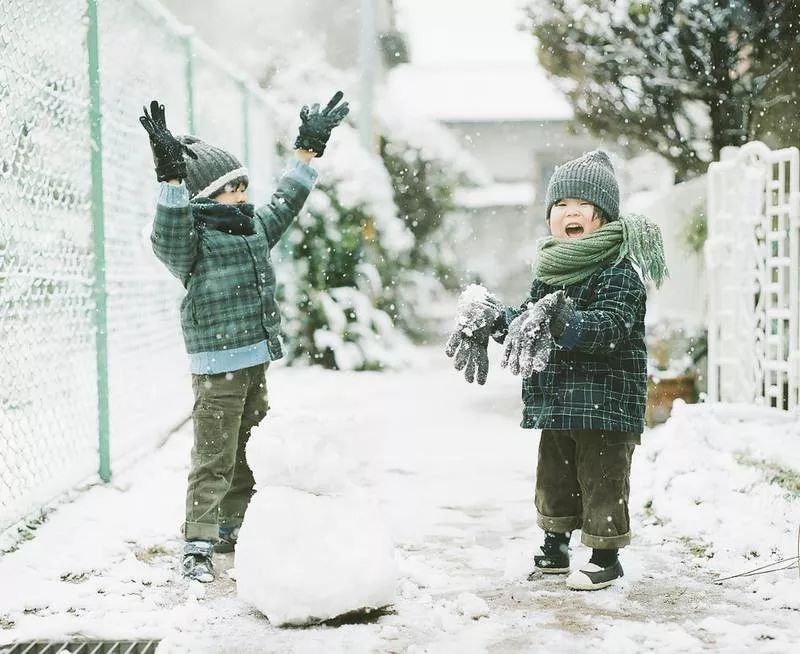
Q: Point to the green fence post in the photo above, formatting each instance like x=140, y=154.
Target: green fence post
x=245, y=122
x=187, y=44
x=98, y=228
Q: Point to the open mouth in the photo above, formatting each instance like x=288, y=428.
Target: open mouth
x=573, y=230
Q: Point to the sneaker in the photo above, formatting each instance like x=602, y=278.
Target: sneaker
x=549, y=563
x=227, y=540
x=196, y=562
x=593, y=577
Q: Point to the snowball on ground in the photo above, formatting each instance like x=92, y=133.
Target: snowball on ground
x=304, y=558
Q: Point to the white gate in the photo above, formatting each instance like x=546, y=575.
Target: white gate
x=753, y=261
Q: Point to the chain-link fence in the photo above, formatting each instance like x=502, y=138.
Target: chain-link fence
x=91, y=357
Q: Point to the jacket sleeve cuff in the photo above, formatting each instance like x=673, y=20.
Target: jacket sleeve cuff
x=302, y=174
x=572, y=333
x=173, y=196
x=499, y=328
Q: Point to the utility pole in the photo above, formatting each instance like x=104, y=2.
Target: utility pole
x=367, y=61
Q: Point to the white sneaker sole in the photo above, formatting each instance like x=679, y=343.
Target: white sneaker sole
x=580, y=580
x=584, y=583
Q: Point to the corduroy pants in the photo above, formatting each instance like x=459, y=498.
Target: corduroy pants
x=226, y=408
x=583, y=482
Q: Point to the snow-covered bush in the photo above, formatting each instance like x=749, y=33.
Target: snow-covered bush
x=347, y=246
x=426, y=164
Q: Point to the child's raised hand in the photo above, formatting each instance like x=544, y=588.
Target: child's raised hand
x=167, y=150
x=316, y=125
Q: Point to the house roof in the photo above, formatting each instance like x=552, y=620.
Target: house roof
x=475, y=92
x=509, y=194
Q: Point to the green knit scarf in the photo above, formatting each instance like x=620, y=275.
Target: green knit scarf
x=562, y=261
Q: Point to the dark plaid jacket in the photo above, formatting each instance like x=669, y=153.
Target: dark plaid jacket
x=229, y=279
x=597, y=374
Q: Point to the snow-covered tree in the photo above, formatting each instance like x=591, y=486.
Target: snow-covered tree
x=681, y=77
x=368, y=255
x=426, y=164
x=347, y=244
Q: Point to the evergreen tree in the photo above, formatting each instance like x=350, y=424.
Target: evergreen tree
x=683, y=78
x=426, y=165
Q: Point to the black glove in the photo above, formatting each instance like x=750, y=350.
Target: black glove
x=316, y=125
x=167, y=150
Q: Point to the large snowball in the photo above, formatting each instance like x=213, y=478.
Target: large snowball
x=303, y=558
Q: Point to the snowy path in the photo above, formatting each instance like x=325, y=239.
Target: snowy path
x=455, y=475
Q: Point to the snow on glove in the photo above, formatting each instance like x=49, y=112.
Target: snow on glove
x=167, y=150
x=316, y=125
x=477, y=308
x=529, y=341
x=468, y=343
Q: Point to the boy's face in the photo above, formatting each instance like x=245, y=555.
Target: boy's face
x=572, y=218
x=236, y=195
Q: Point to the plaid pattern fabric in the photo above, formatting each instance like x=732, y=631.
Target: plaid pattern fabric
x=597, y=375
x=229, y=279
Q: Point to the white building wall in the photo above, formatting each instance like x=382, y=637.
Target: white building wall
x=683, y=295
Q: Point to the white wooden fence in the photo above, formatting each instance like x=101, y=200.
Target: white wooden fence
x=753, y=264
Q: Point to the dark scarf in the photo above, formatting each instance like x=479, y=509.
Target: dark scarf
x=229, y=218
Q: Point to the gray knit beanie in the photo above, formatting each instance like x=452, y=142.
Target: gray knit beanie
x=212, y=170
x=590, y=178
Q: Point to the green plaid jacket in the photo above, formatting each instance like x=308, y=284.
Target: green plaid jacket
x=597, y=374
x=229, y=279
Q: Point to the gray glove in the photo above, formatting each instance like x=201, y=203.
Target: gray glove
x=469, y=341
x=471, y=354
x=529, y=341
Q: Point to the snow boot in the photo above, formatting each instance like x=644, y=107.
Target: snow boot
x=594, y=577
x=196, y=562
x=552, y=558
x=227, y=540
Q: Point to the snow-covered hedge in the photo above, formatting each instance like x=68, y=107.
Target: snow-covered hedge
x=364, y=265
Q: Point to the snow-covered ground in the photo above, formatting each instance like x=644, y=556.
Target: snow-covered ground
x=715, y=492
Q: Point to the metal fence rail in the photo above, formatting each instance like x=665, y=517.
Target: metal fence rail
x=92, y=367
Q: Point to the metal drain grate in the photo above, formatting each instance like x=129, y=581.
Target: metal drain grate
x=82, y=647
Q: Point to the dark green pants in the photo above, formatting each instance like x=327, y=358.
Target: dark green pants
x=226, y=407
x=583, y=482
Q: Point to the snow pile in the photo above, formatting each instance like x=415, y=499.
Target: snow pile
x=313, y=544
x=471, y=606
x=707, y=471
